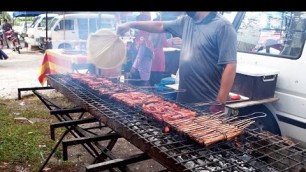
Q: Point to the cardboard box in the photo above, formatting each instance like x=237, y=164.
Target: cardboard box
x=255, y=82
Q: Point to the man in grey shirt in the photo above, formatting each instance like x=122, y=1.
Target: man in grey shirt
x=208, y=55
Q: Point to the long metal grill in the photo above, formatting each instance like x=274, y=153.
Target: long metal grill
x=252, y=151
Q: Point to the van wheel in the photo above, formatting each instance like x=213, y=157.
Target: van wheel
x=267, y=123
x=65, y=46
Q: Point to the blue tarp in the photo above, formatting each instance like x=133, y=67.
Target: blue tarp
x=27, y=13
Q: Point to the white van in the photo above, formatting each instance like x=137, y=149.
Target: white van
x=275, y=40
x=35, y=29
x=72, y=30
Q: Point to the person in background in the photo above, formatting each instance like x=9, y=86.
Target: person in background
x=131, y=53
x=3, y=55
x=208, y=55
x=9, y=34
x=6, y=26
x=158, y=64
x=141, y=68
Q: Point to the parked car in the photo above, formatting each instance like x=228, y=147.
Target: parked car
x=36, y=27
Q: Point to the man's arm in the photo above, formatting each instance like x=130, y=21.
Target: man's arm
x=148, y=26
x=227, y=81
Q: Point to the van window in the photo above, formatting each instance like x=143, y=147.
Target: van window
x=93, y=25
x=52, y=23
x=66, y=25
x=43, y=22
x=35, y=21
x=106, y=23
x=279, y=34
x=83, y=28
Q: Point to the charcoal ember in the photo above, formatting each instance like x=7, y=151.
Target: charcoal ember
x=158, y=143
x=233, y=160
x=185, y=151
x=223, y=164
x=146, y=135
x=201, y=162
x=169, y=141
x=211, y=158
x=129, y=124
x=246, y=169
x=135, y=128
x=202, y=153
x=152, y=139
x=240, y=162
x=245, y=158
x=163, y=148
x=270, y=169
x=171, y=153
x=216, y=160
x=156, y=133
x=263, y=166
x=190, y=164
x=180, y=159
x=226, y=154
x=212, y=168
x=201, y=170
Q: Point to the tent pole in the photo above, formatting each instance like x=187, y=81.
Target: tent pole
x=47, y=42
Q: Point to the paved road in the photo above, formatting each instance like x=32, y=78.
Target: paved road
x=19, y=71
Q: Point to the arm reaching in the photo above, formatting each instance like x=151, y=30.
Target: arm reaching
x=227, y=81
x=148, y=26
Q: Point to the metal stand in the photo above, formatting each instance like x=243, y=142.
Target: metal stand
x=31, y=89
x=84, y=136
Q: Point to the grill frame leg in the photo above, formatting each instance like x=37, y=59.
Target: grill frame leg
x=116, y=163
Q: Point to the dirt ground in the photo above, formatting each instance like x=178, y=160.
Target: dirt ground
x=21, y=71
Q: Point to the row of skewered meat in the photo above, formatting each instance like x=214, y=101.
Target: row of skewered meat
x=208, y=129
x=204, y=129
x=104, y=86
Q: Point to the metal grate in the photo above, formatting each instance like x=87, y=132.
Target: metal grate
x=252, y=151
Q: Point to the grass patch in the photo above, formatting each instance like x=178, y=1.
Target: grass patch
x=23, y=142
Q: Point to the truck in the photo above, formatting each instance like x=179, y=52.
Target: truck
x=274, y=40
x=271, y=62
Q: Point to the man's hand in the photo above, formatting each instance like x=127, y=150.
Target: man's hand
x=216, y=107
x=122, y=29
x=176, y=42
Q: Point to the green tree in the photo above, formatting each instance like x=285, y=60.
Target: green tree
x=6, y=15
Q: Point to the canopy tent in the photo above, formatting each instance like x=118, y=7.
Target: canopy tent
x=27, y=13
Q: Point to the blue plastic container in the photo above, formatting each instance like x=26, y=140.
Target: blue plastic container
x=161, y=88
